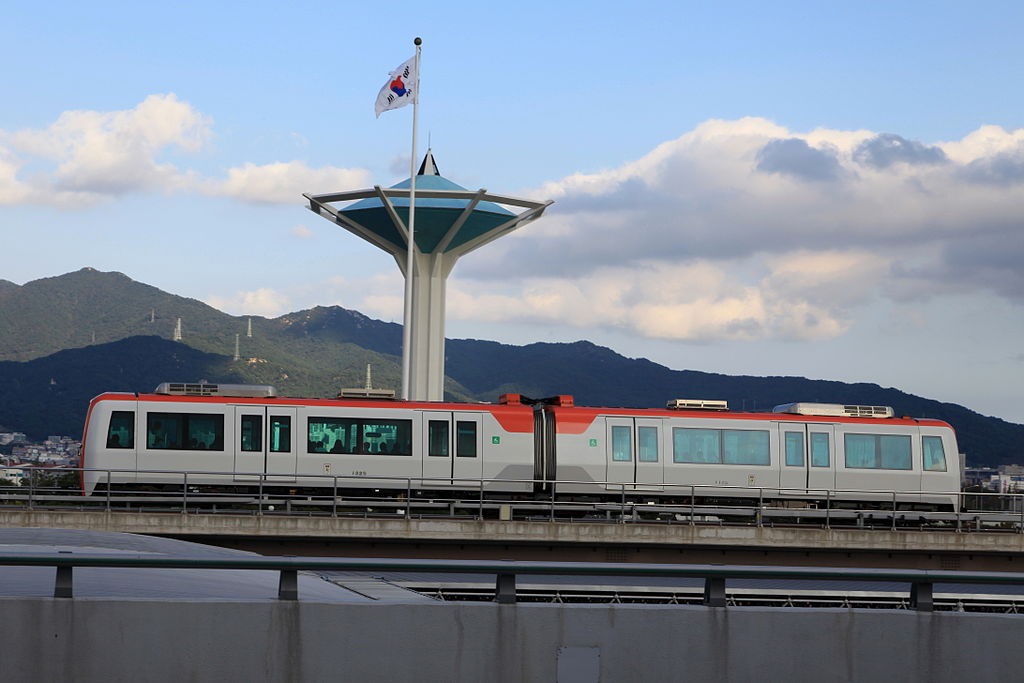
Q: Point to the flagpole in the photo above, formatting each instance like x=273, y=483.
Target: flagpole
x=411, y=243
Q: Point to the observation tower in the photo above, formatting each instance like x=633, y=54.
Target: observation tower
x=450, y=221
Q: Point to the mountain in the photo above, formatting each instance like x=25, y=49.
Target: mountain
x=49, y=371
x=313, y=352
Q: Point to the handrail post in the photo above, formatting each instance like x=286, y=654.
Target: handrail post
x=288, y=585
x=480, y=510
x=622, y=509
x=921, y=597
x=63, y=585
x=334, y=498
x=184, y=497
x=408, y=498
x=714, y=591
x=552, y=500
x=505, y=589
x=1020, y=502
x=894, y=511
x=108, y=490
x=693, y=510
x=828, y=508
x=760, y=506
x=31, y=486
x=259, y=498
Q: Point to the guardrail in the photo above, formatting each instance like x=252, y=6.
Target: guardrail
x=921, y=582
x=339, y=495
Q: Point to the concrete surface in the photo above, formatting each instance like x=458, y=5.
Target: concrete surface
x=88, y=640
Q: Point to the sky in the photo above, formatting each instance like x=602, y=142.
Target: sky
x=834, y=191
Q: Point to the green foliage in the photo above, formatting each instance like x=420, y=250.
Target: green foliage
x=48, y=326
x=44, y=479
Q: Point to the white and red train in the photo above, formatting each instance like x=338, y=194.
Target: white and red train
x=800, y=451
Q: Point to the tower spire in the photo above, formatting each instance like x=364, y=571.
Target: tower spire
x=429, y=166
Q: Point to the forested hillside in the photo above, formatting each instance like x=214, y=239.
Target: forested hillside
x=49, y=367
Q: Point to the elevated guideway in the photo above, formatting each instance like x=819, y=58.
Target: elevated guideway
x=591, y=541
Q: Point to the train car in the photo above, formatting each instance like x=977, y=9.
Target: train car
x=209, y=429
x=839, y=453
x=238, y=436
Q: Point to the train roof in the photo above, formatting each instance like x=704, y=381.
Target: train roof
x=564, y=408
x=306, y=401
x=588, y=414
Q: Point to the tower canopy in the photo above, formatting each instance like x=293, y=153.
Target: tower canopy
x=451, y=221
x=435, y=216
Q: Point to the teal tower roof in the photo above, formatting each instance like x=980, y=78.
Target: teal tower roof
x=435, y=216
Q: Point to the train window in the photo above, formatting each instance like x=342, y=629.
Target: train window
x=185, y=431
x=647, y=444
x=437, y=438
x=251, y=437
x=356, y=436
x=622, y=444
x=878, y=451
x=795, y=449
x=746, y=447
x=387, y=437
x=934, y=456
x=465, y=439
x=728, y=446
x=121, y=431
x=332, y=435
x=280, y=434
x=696, y=445
x=819, y=450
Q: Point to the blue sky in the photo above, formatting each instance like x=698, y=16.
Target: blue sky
x=794, y=188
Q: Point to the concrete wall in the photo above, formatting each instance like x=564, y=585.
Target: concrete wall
x=144, y=640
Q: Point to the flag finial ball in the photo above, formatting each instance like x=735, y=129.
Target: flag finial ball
x=418, y=41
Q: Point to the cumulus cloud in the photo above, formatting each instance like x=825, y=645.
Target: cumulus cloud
x=86, y=157
x=886, y=149
x=790, y=232
x=97, y=154
x=795, y=157
x=284, y=182
x=301, y=231
x=698, y=302
x=265, y=302
x=1003, y=168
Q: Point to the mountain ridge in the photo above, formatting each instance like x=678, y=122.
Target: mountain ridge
x=315, y=352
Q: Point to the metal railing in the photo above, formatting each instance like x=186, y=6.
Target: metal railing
x=921, y=582
x=481, y=498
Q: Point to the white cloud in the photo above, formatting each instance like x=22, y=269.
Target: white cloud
x=695, y=302
x=86, y=157
x=101, y=154
x=284, y=182
x=265, y=302
x=301, y=231
x=745, y=229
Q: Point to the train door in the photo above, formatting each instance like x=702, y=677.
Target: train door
x=282, y=443
x=634, y=454
x=808, y=460
x=250, y=443
x=452, y=448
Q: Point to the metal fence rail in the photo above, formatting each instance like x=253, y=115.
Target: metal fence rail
x=506, y=572
x=341, y=495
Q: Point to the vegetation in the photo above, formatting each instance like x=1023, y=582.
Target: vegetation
x=49, y=368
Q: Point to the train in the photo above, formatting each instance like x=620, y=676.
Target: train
x=242, y=436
